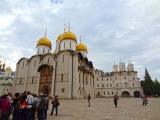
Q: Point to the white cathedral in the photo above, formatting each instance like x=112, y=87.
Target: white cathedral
x=6, y=78
x=68, y=72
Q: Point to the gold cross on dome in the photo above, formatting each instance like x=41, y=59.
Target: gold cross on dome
x=45, y=32
x=64, y=27
x=80, y=38
x=68, y=26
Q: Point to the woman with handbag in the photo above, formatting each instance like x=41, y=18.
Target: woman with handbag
x=55, y=104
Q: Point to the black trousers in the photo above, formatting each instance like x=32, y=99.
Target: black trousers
x=40, y=114
x=115, y=102
x=33, y=113
x=5, y=116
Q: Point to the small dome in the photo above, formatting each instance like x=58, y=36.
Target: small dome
x=68, y=35
x=82, y=47
x=8, y=68
x=44, y=41
x=54, y=51
x=59, y=37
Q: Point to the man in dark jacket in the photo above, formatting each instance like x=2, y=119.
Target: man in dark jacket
x=41, y=106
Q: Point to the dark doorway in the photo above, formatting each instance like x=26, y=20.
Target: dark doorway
x=45, y=89
x=125, y=94
x=136, y=94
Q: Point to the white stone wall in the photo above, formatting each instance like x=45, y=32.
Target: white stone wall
x=68, y=44
x=63, y=68
x=42, y=49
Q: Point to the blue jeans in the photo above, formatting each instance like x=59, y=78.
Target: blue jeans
x=56, y=107
x=29, y=114
x=89, y=102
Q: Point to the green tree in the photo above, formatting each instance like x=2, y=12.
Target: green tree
x=156, y=86
x=148, y=86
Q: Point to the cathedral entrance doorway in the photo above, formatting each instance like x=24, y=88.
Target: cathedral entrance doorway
x=45, y=79
x=136, y=94
x=45, y=89
x=125, y=94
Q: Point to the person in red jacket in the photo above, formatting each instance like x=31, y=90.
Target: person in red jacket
x=5, y=108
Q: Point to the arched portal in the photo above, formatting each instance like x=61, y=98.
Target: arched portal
x=46, y=89
x=45, y=79
x=125, y=94
x=136, y=93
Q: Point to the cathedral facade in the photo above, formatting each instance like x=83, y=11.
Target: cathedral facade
x=66, y=71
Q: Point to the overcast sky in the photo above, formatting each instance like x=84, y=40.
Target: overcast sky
x=109, y=28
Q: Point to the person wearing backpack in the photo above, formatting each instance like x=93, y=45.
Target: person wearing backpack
x=46, y=106
x=89, y=97
x=55, y=105
x=41, y=106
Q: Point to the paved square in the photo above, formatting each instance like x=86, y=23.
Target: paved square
x=103, y=109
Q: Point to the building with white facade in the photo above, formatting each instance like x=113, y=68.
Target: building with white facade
x=6, y=78
x=121, y=81
x=66, y=71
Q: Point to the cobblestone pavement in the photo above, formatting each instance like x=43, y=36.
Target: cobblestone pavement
x=103, y=109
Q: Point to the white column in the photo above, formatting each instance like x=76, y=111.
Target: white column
x=14, y=82
x=53, y=78
x=38, y=81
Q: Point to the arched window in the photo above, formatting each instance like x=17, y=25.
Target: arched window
x=64, y=45
x=38, y=50
x=43, y=50
x=32, y=80
x=70, y=45
x=23, y=65
x=20, y=81
x=62, y=78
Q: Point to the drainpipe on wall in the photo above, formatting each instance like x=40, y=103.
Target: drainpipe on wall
x=55, y=75
x=72, y=79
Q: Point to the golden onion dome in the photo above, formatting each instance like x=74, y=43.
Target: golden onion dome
x=8, y=68
x=1, y=64
x=68, y=35
x=59, y=37
x=54, y=51
x=82, y=47
x=44, y=41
